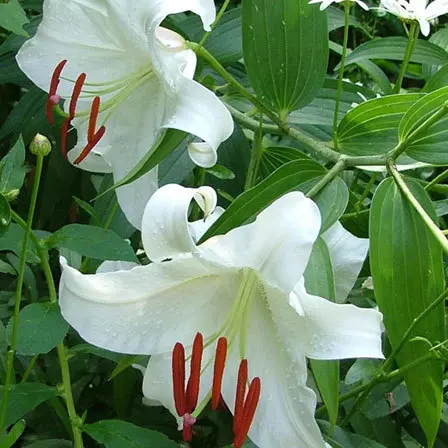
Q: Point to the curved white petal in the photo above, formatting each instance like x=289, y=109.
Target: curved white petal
x=165, y=228
x=114, y=266
x=87, y=35
x=147, y=309
x=278, y=244
x=198, y=111
x=347, y=253
x=326, y=330
x=285, y=413
x=202, y=154
x=198, y=228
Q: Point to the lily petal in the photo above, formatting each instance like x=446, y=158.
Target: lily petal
x=329, y=330
x=347, y=253
x=83, y=33
x=278, y=244
x=165, y=228
x=202, y=154
x=286, y=409
x=135, y=311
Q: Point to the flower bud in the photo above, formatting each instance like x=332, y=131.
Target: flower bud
x=11, y=195
x=40, y=145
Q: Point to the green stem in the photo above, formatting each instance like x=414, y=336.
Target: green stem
x=366, y=192
x=257, y=152
x=337, y=168
x=438, y=234
x=218, y=18
x=441, y=177
x=347, y=6
x=18, y=296
x=413, y=35
x=403, y=145
x=62, y=352
x=29, y=369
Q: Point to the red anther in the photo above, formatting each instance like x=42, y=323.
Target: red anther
x=90, y=145
x=218, y=371
x=54, y=84
x=195, y=373
x=250, y=406
x=93, y=118
x=64, y=136
x=79, y=84
x=240, y=395
x=178, y=369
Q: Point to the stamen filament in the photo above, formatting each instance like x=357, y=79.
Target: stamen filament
x=218, y=371
x=250, y=406
x=178, y=371
x=240, y=395
x=54, y=84
x=192, y=392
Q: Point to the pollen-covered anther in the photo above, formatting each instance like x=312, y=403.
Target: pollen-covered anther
x=186, y=398
x=53, y=99
x=218, y=372
x=245, y=407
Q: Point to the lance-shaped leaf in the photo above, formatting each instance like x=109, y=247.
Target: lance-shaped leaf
x=319, y=280
x=372, y=127
x=407, y=270
x=285, y=48
x=429, y=145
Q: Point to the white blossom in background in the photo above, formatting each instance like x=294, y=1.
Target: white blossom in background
x=324, y=4
x=417, y=10
x=141, y=75
x=247, y=286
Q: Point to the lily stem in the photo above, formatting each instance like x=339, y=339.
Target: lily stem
x=412, y=40
x=438, y=234
x=335, y=170
x=18, y=296
x=347, y=6
x=75, y=421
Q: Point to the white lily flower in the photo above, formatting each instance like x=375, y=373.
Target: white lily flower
x=416, y=10
x=324, y=4
x=142, y=75
x=246, y=286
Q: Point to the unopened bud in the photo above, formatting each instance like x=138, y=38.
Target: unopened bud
x=40, y=145
x=11, y=195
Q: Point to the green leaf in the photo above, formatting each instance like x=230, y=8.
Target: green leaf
x=51, y=443
x=221, y=172
x=372, y=127
x=125, y=362
x=96, y=351
x=170, y=141
x=13, y=435
x=407, y=270
x=12, y=240
x=12, y=171
x=5, y=213
x=41, y=328
x=119, y=434
x=295, y=175
x=439, y=38
x=274, y=157
x=332, y=202
x=24, y=397
x=319, y=280
x=125, y=387
x=439, y=80
x=336, y=19
x=6, y=268
x=285, y=48
x=338, y=438
x=91, y=241
x=13, y=17
x=394, y=48
x=430, y=145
